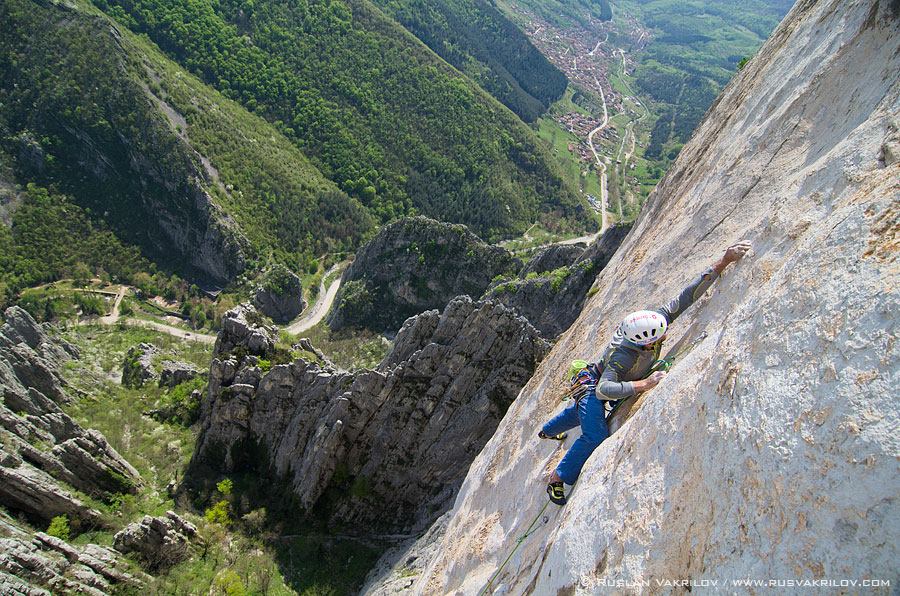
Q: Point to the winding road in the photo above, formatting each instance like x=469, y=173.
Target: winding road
x=313, y=316
x=604, y=195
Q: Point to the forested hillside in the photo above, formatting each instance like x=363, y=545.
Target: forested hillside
x=380, y=115
x=130, y=142
x=694, y=50
x=478, y=39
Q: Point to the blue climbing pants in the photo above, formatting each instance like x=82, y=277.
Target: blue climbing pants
x=590, y=413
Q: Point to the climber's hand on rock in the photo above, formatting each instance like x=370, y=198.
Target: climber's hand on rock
x=736, y=251
x=648, y=383
x=733, y=253
x=656, y=377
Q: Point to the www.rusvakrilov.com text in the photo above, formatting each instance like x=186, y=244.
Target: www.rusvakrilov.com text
x=744, y=582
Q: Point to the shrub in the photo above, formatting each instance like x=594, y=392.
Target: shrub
x=558, y=277
x=59, y=527
x=225, y=487
x=90, y=305
x=220, y=513
x=229, y=583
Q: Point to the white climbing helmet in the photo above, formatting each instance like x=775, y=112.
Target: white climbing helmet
x=644, y=327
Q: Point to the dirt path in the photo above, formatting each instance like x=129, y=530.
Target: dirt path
x=170, y=330
x=113, y=316
x=308, y=320
x=314, y=315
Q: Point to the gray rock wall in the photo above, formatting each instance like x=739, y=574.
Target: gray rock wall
x=42, y=448
x=393, y=442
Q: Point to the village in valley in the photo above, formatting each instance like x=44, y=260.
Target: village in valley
x=595, y=56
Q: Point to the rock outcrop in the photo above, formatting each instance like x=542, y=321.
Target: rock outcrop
x=29, y=358
x=160, y=542
x=280, y=295
x=411, y=266
x=40, y=445
x=39, y=564
x=435, y=400
x=137, y=368
x=175, y=373
x=552, y=257
x=244, y=329
x=553, y=299
x=769, y=451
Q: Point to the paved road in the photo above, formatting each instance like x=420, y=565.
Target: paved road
x=604, y=195
x=314, y=315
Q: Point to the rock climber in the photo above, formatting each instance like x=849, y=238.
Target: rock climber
x=624, y=370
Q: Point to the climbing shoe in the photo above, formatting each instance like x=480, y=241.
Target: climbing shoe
x=557, y=493
x=559, y=437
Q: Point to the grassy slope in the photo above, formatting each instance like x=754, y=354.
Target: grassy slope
x=280, y=200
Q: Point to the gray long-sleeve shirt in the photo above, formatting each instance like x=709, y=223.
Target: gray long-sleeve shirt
x=626, y=361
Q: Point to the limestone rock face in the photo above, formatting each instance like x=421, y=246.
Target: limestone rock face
x=395, y=441
x=29, y=358
x=770, y=449
x=411, y=266
x=243, y=327
x=552, y=301
x=174, y=373
x=137, y=368
x=160, y=542
x=280, y=296
x=40, y=445
x=30, y=563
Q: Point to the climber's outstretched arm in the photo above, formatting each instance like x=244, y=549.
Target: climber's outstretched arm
x=673, y=308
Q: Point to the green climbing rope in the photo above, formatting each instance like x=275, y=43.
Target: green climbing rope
x=532, y=528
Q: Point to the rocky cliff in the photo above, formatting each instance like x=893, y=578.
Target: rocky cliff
x=280, y=294
x=41, y=444
x=388, y=447
x=44, y=454
x=411, y=266
x=770, y=450
x=552, y=298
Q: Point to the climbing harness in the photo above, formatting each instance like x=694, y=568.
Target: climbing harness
x=578, y=369
x=532, y=528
